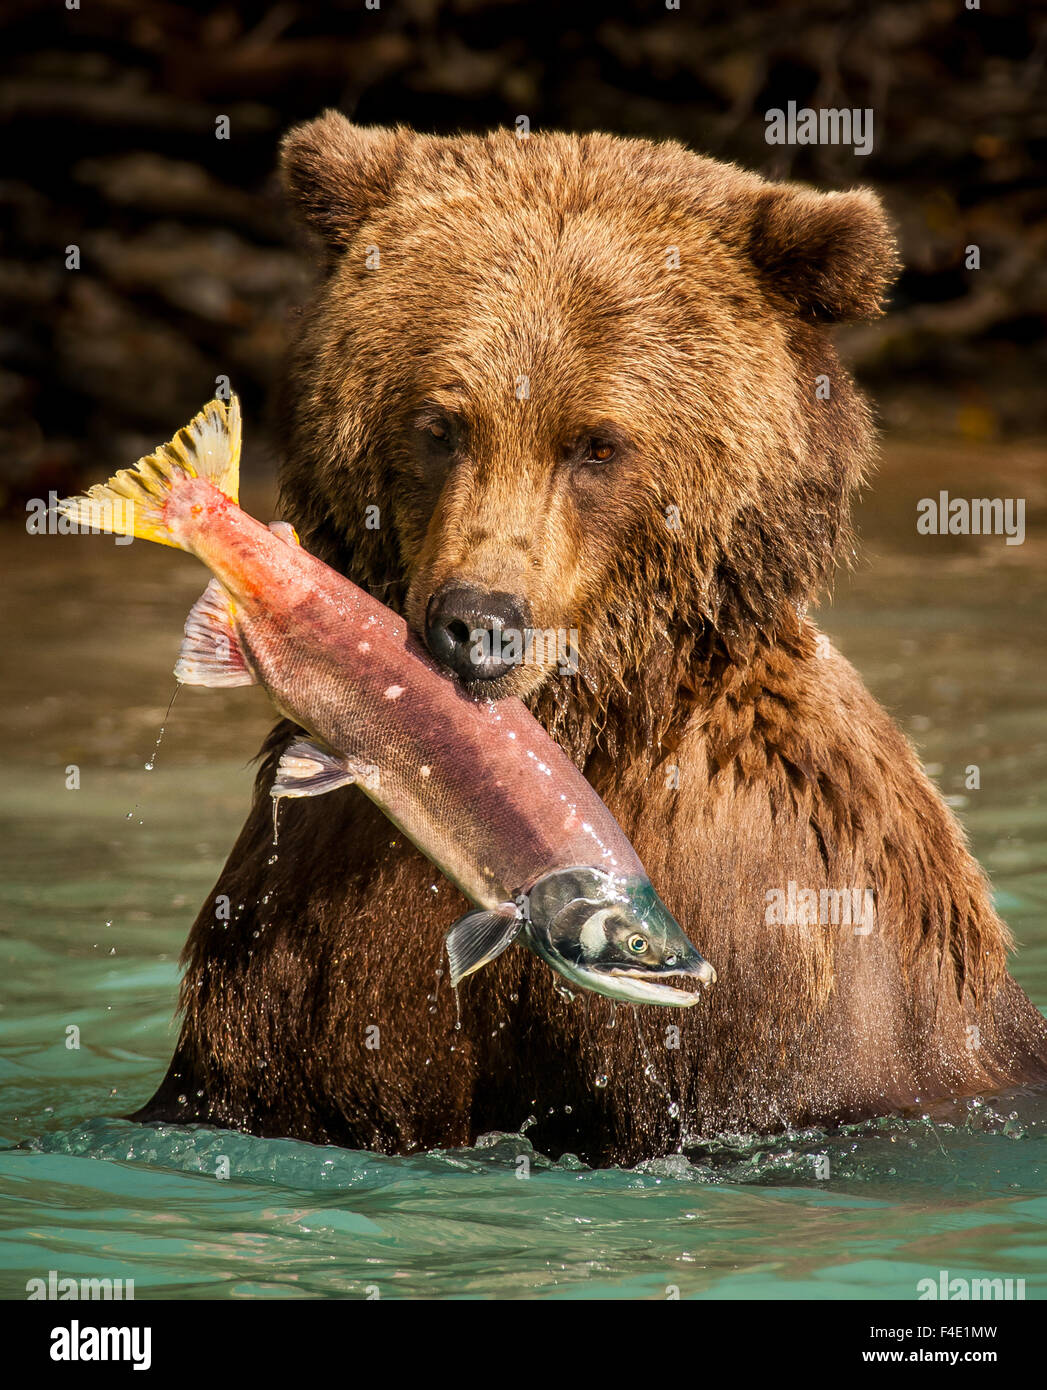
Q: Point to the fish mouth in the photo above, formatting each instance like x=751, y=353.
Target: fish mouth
x=703, y=972
x=632, y=986
x=648, y=989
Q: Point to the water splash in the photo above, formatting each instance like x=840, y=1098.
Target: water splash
x=163, y=729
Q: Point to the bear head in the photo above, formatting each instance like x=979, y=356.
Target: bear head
x=576, y=383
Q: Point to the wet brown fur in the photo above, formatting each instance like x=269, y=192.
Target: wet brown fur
x=550, y=258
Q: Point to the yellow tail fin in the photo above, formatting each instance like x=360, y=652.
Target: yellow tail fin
x=132, y=502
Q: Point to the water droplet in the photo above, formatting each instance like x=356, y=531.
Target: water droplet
x=273, y=858
x=674, y=1110
x=600, y=1082
x=568, y=1109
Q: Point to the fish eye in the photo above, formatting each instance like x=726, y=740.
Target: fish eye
x=637, y=944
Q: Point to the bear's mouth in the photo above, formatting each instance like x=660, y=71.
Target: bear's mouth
x=521, y=682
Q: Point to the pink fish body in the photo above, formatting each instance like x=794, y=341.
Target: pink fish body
x=478, y=786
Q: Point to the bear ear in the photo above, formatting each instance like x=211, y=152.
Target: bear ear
x=334, y=172
x=830, y=256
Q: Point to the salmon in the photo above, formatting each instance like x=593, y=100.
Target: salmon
x=478, y=786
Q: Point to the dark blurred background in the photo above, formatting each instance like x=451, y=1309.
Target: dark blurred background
x=189, y=267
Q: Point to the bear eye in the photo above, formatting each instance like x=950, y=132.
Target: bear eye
x=599, y=451
x=439, y=430
x=637, y=944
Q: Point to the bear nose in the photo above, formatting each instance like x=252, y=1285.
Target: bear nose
x=476, y=633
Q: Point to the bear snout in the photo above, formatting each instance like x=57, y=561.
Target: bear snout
x=478, y=634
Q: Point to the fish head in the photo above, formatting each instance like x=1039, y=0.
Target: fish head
x=612, y=934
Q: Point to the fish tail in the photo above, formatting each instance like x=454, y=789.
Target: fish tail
x=137, y=500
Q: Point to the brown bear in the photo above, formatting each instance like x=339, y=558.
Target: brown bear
x=584, y=382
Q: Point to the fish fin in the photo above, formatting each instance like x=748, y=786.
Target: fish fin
x=306, y=769
x=479, y=937
x=211, y=652
x=285, y=531
x=134, y=501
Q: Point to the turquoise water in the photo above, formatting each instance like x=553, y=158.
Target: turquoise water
x=98, y=885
